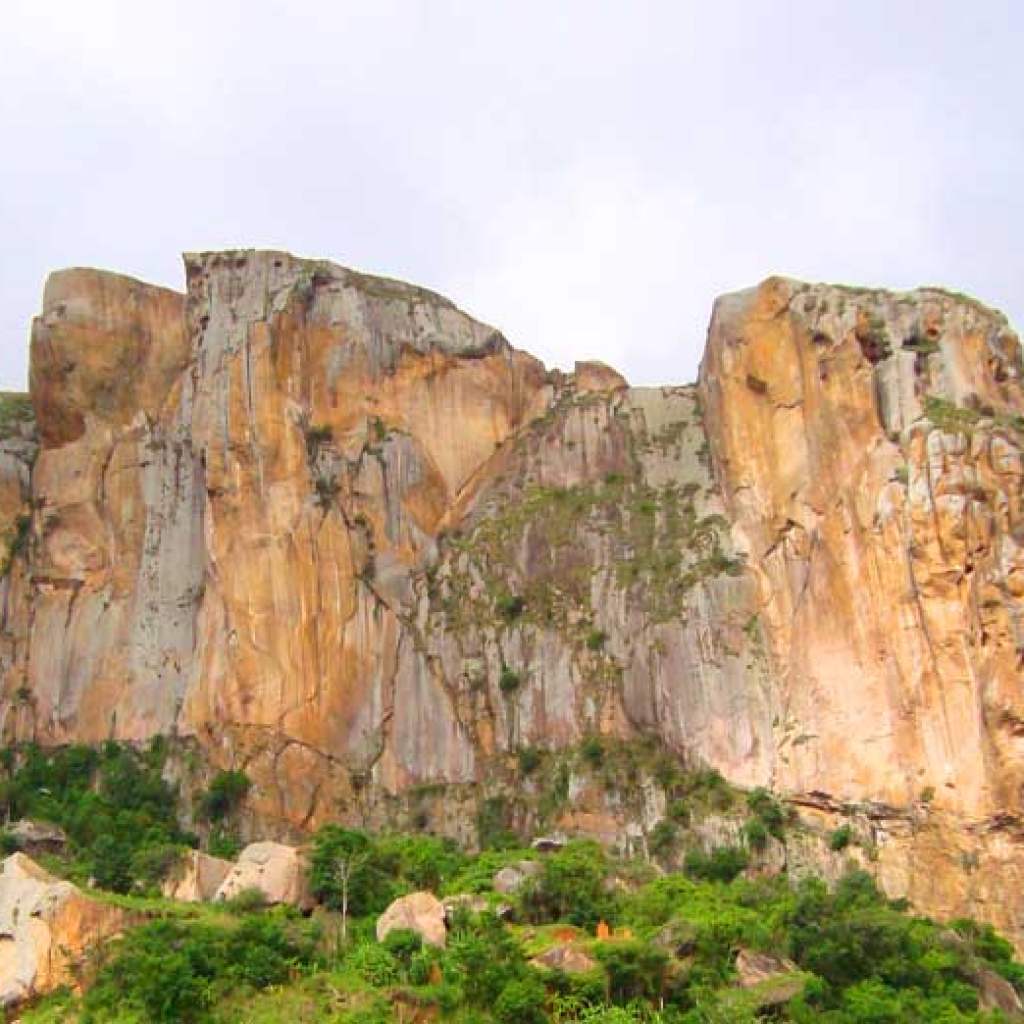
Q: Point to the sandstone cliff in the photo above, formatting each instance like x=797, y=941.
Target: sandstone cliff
x=329, y=529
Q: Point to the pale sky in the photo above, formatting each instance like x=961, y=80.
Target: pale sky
x=584, y=176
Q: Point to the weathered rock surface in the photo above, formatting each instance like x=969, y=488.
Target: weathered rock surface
x=512, y=877
x=278, y=871
x=47, y=928
x=37, y=836
x=566, y=958
x=421, y=912
x=774, y=979
x=197, y=877
x=331, y=530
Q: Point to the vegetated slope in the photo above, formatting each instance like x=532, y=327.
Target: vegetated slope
x=327, y=530
x=570, y=935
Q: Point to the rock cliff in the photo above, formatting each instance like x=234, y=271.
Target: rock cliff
x=329, y=529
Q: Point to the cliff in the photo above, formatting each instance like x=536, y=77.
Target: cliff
x=329, y=529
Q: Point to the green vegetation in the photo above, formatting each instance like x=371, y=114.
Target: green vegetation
x=15, y=409
x=949, y=417
x=656, y=947
x=118, y=812
x=17, y=541
x=840, y=838
x=847, y=956
x=226, y=793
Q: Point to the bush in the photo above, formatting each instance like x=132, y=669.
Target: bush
x=226, y=793
x=374, y=964
x=521, y=1002
x=840, y=838
x=596, y=639
x=509, y=681
x=755, y=834
x=768, y=810
x=247, y=901
x=571, y=887
x=636, y=970
x=509, y=606
x=592, y=751
x=722, y=865
x=529, y=760
x=663, y=838
x=172, y=970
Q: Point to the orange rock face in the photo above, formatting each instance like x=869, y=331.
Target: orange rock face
x=330, y=530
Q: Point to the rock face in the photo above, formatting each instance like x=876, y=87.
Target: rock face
x=420, y=912
x=328, y=529
x=279, y=872
x=197, y=878
x=46, y=929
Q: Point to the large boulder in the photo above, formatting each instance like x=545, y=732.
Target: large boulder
x=37, y=836
x=512, y=877
x=47, y=929
x=276, y=870
x=773, y=980
x=421, y=912
x=196, y=877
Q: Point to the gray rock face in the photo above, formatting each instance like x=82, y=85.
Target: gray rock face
x=328, y=528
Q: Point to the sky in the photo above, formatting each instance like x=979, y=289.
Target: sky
x=585, y=176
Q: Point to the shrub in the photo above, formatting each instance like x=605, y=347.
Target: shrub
x=248, y=901
x=509, y=606
x=521, y=1002
x=374, y=963
x=755, y=834
x=663, y=838
x=596, y=639
x=636, y=970
x=722, y=865
x=529, y=760
x=509, y=681
x=840, y=838
x=226, y=793
x=571, y=887
x=768, y=810
x=592, y=751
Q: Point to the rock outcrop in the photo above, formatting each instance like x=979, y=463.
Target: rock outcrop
x=197, y=877
x=277, y=871
x=330, y=530
x=419, y=912
x=47, y=928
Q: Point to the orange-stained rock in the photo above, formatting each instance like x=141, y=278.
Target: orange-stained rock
x=48, y=929
x=328, y=528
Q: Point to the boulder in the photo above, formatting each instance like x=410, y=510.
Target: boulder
x=677, y=937
x=474, y=904
x=591, y=375
x=38, y=836
x=567, y=959
x=548, y=844
x=996, y=993
x=276, y=870
x=421, y=912
x=196, y=877
x=510, y=878
x=772, y=979
x=47, y=929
